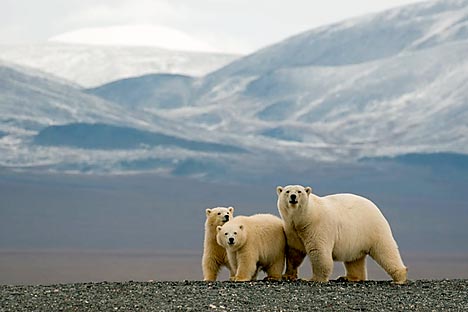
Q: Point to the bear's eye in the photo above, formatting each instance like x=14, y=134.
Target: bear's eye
x=299, y=192
x=235, y=233
x=225, y=233
x=219, y=213
x=287, y=192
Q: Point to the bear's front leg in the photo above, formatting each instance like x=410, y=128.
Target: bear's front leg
x=246, y=267
x=211, y=269
x=294, y=258
x=322, y=264
x=232, y=260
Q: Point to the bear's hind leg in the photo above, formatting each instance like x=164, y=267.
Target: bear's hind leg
x=275, y=271
x=355, y=270
x=400, y=276
x=294, y=258
x=388, y=257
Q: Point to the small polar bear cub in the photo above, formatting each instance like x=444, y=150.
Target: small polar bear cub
x=214, y=256
x=340, y=227
x=252, y=243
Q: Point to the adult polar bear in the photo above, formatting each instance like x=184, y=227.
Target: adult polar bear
x=340, y=227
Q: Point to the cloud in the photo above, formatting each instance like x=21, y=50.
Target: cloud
x=200, y=25
x=127, y=12
x=136, y=35
x=229, y=25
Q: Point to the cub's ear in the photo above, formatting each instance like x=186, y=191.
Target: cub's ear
x=208, y=211
x=218, y=228
x=241, y=227
x=308, y=190
x=279, y=189
x=231, y=209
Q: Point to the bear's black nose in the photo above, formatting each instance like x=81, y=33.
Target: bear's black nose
x=226, y=218
x=293, y=199
x=231, y=240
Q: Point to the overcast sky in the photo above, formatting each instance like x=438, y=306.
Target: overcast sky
x=240, y=26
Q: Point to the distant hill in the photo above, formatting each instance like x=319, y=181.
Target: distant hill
x=30, y=100
x=434, y=160
x=109, y=137
x=91, y=65
x=149, y=91
x=46, y=123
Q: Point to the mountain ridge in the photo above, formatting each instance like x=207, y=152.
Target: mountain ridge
x=75, y=62
x=337, y=101
x=368, y=27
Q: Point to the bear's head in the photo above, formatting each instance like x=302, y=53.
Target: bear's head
x=219, y=215
x=292, y=196
x=231, y=235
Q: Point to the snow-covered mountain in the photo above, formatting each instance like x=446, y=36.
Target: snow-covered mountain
x=92, y=65
x=389, y=83
x=47, y=124
x=31, y=101
x=362, y=39
x=381, y=85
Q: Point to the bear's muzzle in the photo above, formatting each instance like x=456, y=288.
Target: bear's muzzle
x=293, y=199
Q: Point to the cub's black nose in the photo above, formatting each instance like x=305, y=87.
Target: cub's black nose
x=231, y=240
x=226, y=218
x=293, y=197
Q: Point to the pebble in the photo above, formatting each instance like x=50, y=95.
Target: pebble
x=421, y=295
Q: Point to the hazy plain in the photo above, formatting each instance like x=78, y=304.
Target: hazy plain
x=57, y=228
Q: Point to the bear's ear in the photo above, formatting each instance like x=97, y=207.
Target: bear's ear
x=231, y=209
x=218, y=228
x=308, y=190
x=208, y=211
x=241, y=227
x=279, y=189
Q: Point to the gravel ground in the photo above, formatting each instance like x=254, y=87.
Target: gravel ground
x=422, y=295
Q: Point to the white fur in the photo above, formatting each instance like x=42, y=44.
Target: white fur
x=257, y=241
x=340, y=227
x=214, y=256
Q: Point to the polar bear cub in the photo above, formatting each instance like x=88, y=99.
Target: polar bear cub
x=214, y=256
x=340, y=227
x=252, y=243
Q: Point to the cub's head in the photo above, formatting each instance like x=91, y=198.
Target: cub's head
x=219, y=215
x=231, y=235
x=293, y=196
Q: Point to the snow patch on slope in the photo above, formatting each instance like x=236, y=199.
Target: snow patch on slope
x=91, y=66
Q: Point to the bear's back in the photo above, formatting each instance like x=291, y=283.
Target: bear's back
x=354, y=214
x=262, y=227
x=345, y=203
x=265, y=218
